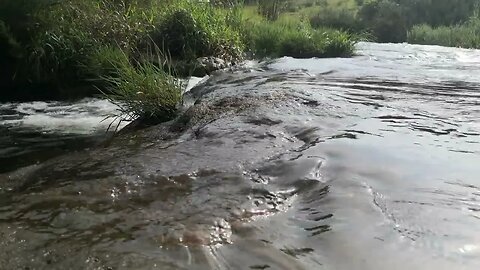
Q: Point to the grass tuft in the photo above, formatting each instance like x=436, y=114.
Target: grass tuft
x=141, y=90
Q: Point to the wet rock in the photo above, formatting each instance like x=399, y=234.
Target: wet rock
x=200, y=67
x=167, y=194
x=212, y=63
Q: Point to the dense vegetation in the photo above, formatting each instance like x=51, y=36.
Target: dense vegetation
x=392, y=20
x=442, y=22
x=466, y=35
x=134, y=51
x=290, y=36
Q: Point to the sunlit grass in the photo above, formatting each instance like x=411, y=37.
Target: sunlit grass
x=142, y=90
x=466, y=35
x=289, y=36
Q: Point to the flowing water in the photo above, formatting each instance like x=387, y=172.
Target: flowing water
x=371, y=162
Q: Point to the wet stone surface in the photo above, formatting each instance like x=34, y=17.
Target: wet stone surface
x=293, y=164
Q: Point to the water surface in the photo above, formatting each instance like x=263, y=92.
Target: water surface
x=371, y=162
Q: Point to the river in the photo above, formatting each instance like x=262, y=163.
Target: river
x=370, y=162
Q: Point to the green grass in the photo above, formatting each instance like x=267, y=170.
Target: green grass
x=189, y=31
x=72, y=45
x=343, y=19
x=316, y=6
x=466, y=35
x=342, y=4
x=142, y=90
x=56, y=45
x=290, y=36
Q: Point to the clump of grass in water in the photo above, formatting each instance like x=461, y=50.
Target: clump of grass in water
x=142, y=90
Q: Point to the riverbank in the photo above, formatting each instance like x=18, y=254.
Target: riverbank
x=466, y=35
x=73, y=48
x=453, y=23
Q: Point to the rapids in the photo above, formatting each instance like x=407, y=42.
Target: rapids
x=371, y=162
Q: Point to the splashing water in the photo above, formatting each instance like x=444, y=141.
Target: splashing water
x=363, y=163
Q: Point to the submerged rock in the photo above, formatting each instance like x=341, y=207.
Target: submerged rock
x=211, y=63
x=201, y=67
x=168, y=194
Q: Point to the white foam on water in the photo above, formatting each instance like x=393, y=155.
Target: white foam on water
x=194, y=81
x=431, y=64
x=83, y=117
x=86, y=116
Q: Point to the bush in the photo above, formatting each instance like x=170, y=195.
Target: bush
x=9, y=47
x=8, y=56
x=385, y=20
x=337, y=43
x=16, y=28
x=190, y=31
x=342, y=19
x=297, y=39
x=182, y=36
x=298, y=44
x=438, y=12
x=466, y=35
x=68, y=45
x=262, y=38
x=271, y=9
x=56, y=40
x=17, y=16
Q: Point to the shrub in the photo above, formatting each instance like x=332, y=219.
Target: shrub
x=9, y=55
x=76, y=44
x=56, y=40
x=385, y=20
x=271, y=9
x=16, y=27
x=189, y=31
x=438, y=12
x=466, y=35
x=342, y=19
x=9, y=46
x=182, y=36
x=299, y=44
x=297, y=39
x=262, y=38
x=337, y=43
x=59, y=37
x=17, y=16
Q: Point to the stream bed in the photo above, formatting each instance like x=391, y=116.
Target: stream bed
x=371, y=162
